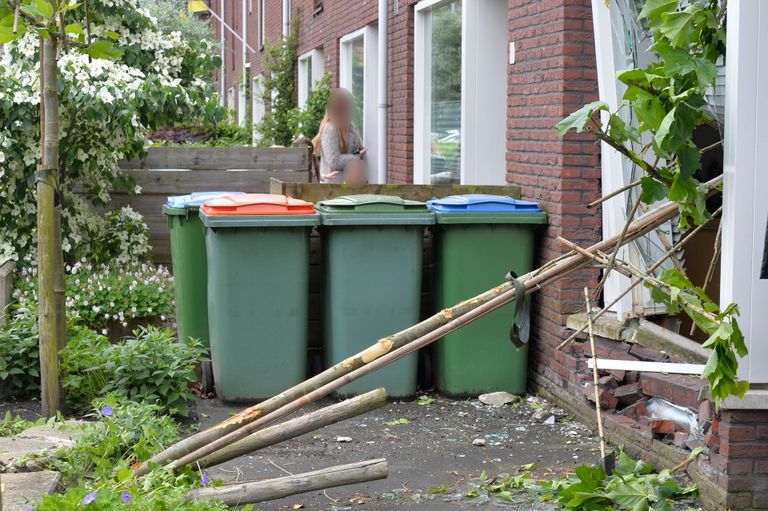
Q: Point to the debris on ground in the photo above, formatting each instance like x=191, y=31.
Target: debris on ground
x=498, y=398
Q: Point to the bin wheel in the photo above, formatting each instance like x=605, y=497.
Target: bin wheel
x=425, y=375
x=207, y=376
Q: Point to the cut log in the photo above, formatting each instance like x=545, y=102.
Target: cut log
x=299, y=426
x=429, y=330
x=270, y=489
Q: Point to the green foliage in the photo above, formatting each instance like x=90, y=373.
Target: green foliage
x=102, y=295
x=668, y=99
x=172, y=15
x=12, y=426
x=279, y=91
x=130, y=77
x=150, y=368
x=97, y=469
x=19, y=354
x=125, y=433
x=307, y=121
x=725, y=338
x=633, y=487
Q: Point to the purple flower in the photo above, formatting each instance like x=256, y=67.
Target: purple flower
x=107, y=411
x=125, y=497
x=89, y=498
x=204, y=478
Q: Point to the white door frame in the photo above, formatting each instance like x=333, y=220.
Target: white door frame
x=745, y=209
x=370, y=88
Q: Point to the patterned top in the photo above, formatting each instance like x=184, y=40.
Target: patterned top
x=331, y=158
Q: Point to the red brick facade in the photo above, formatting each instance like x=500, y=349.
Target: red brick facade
x=554, y=74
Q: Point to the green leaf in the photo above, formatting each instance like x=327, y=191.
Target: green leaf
x=682, y=27
x=620, y=131
x=39, y=9
x=103, y=49
x=653, y=9
x=6, y=29
x=633, y=496
x=579, y=119
x=652, y=190
x=112, y=35
x=74, y=28
x=399, y=422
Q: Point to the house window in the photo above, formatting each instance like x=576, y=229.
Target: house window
x=261, y=24
x=257, y=104
x=460, y=92
x=311, y=69
x=358, y=73
x=231, y=103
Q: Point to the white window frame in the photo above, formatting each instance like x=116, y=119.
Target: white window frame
x=483, y=97
x=370, y=88
x=317, y=60
x=231, y=98
x=745, y=180
x=257, y=105
x=242, y=106
x=614, y=211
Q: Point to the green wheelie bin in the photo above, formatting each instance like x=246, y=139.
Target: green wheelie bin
x=479, y=239
x=372, y=258
x=189, y=270
x=258, y=277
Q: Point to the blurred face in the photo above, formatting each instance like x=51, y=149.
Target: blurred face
x=341, y=107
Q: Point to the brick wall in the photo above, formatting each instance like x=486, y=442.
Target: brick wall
x=554, y=74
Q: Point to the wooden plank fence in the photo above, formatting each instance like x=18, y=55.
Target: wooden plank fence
x=166, y=171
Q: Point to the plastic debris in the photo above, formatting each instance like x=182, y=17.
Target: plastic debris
x=480, y=442
x=343, y=439
x=497, y=398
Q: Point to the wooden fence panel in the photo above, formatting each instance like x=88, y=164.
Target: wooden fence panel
x=314, y=192
x=221, y=158
x=167, y=171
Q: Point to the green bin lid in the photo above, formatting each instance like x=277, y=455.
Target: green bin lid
x=370, y=209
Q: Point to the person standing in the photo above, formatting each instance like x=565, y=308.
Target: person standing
x=338, y=141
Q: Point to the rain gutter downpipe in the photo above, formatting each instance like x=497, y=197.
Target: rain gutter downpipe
x=381, y=156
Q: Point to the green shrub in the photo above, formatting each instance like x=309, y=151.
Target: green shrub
x=124, y=432
x=98, y=294
x=19, y=354
x=307, y=121
x=12, y=426
x=150, y=368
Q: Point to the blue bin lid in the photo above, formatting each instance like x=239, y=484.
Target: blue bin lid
x=481, y=203
x=196, y=199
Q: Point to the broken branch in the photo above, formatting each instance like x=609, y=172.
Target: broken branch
x=259, y=491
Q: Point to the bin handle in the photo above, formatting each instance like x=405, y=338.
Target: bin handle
x=520, y=331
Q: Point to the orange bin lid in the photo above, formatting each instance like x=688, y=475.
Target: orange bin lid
x=257, y=204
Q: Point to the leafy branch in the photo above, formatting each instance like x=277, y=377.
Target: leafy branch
x=668, y=99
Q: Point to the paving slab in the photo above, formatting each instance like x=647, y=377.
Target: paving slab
x=39, y=439
x=24, y=491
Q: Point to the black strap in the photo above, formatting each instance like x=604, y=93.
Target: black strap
x=521, y=327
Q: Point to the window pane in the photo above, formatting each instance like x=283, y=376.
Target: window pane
x=358, y=79
x=445, y=93
x=308, y=74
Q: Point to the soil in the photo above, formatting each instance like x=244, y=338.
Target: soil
x=432, y=461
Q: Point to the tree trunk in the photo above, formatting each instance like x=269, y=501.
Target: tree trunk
x=298, y=426
x=48, y=321
x=259, y=491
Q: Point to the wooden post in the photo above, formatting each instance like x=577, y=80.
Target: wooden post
x=259, y=491
x=48, y=323
x=299, y=426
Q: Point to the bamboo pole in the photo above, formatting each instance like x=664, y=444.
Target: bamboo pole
x=298, y=426
x=239, y=426
x=595, y=376
x=48, y=323
x=673, y=250
x=270, y=489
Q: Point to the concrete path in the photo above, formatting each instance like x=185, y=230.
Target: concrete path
x=24, y=491
x=433, y=460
